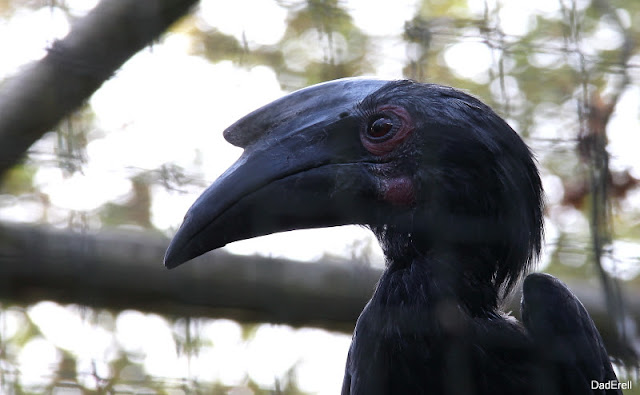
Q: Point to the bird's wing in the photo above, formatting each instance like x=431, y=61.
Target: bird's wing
x=566, y=337
x=346, y=383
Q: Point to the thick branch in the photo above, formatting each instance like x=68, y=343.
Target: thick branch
x=43, y=93
x=125, y=270
x=121, y=271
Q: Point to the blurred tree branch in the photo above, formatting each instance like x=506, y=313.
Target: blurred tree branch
x=118, y=270
x=44, y=92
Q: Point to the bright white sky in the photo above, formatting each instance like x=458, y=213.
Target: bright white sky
x=181, y=103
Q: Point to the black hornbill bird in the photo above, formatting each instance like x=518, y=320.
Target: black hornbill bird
x=455, y=199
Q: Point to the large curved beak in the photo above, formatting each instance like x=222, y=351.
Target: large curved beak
x=303, y=167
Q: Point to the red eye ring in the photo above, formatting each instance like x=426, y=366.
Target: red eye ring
x=386, y=130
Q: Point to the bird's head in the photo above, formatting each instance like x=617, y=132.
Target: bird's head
x=426, y=167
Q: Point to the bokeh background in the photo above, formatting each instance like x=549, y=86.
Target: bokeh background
x=125, y=166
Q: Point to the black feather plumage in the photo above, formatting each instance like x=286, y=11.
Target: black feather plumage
x=453, y=195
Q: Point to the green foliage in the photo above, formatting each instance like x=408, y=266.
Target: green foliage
x=311, y=24
x=72, y=139
x=18, y=180
x=135, y=210
x=126, y=371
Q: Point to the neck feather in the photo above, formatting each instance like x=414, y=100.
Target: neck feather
x=459, y=275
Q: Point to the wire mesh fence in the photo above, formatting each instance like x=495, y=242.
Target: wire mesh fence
x=565, y=74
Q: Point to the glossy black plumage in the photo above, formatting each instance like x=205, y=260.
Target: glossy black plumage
x=454, y=197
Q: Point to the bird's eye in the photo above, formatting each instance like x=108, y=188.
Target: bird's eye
x=380, y=128
x=386, y=130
